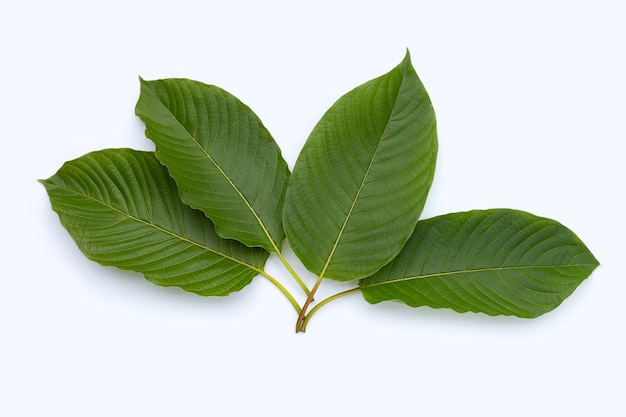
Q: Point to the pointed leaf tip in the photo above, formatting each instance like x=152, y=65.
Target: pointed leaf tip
x=406, y=64
x=407, y=55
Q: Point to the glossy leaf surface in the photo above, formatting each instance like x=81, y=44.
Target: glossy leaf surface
x=122, y=209
x=498, y=261
x=223, y=159
x=361, y=180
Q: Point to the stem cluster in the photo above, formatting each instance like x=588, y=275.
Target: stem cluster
x=303, y=314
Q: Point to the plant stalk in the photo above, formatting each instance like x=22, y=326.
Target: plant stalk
x=305, y=306
x=282, y=289
x=322, y=303
x=293, y=273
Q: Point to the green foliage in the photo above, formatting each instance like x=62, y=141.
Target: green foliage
x=121, y=208
x=361, y=180
x=498, y=261
x=216, y=199
x=222, y=158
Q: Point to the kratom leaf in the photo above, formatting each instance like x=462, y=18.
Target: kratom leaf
x=207, y=219
x=361, y=180
x=223, y=159
x=122, y=209
x=498, y=261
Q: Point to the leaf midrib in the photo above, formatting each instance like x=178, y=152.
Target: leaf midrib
x=470, y=271
x=367, y=172
x=221, y=171
x=159, y=228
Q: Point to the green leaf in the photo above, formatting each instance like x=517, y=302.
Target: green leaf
x=361, y=180
x=121, y=208
x=498, y=261
x=223, y=159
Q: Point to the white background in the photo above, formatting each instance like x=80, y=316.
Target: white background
x=531, y=104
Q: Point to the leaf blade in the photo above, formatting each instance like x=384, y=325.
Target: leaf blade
x=498, y=262
x=122, y=209
x=223, y=159
x=361, y=180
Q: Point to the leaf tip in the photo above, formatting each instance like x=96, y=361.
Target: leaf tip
x=142, y=81
x=596, y=263
x=48, y=184
x=406, y=66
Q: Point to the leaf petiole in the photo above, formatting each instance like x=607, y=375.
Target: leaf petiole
x=305, y=306
x=307, y=317
x=293, y=273
x=282, y=289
